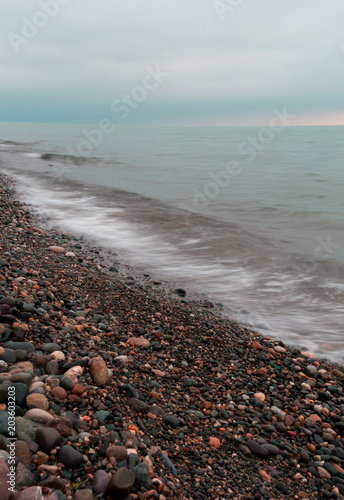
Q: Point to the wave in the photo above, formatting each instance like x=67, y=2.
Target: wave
x=15, y=143
x=75, y=160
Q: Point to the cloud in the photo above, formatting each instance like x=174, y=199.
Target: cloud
x=261, y=54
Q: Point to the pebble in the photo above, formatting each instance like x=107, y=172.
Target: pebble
x=173, y=421
x=37, y=401
x=121, y=483
x=99, y=371
x=38, y=415
x=118, y=452
x=4, y=490
x=100, y=482
x=23, y=452
x=70, y=457
x=139, y=342
x=138, y=406
x=56, y=249
x=257, y=449
x=47, y=438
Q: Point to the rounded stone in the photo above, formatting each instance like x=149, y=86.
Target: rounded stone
x=21, y=391
x=37, y=401
x=138, y=405
x=47, y=438
x=172, y=421
x=4, y=490
x=70, y=457
x=62, y=424
x=257, y=450
x=38, y=415
x=118, y=452
x=49, y=347
x=58, y=355
x=23, y=452
x=99, y=371
x=121, y=483
x=25, y=477
x=41, y=360
x=100, y=482
x=311, y=370
x=23, y=378
x=85, y=494
x=34, y=493
x=66, y=383
x=9, y=356
x=26, y=346
x=52, y=367
x=4, y=424
x=59, y=393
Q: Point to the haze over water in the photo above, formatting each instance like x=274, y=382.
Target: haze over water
x=254, y=221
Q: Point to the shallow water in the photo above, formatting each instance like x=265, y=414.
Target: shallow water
x=262, y=235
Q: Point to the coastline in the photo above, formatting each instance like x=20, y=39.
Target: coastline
x=215, y=410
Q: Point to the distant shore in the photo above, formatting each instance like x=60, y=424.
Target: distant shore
x=149, y=396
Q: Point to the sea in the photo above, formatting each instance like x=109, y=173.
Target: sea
x=250, y=217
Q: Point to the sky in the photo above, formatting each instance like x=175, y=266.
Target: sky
x=168, y=62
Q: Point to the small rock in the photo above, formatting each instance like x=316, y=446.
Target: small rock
x=100, y=482
x=99, y=370
x=59, y=393
x=47, y=438
x=4, y=491
x=121, y=483
x=83, y=494
x=118, y=452
x=139, y=342
x=311, y=370
x=70, y=457
x=260, y=396
x=37, y=401
x=23, y=452
x=323, y=474
x=215, y=442
x=280, y=349
x=56, y=249
x=63, y=425
x=38, y=415
x=257, y=449
x=138, y=405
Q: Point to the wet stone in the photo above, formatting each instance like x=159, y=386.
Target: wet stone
x=21, y=392
x=49, y=347
x=24, y=378
x=47, y=438
x=121, y=483
x=173, y=421
x=100, y=482
x=52, y=367
x=66, y=383
x=330, y=469
x=118, y=452
x=62, y=424
x=9, y=356
x=257, y=449
x=142, y=476
x=23, y=452
x=70, y=457
x=26, y=346
x=138, y=405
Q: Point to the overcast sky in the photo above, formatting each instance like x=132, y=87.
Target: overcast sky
x=207, y=62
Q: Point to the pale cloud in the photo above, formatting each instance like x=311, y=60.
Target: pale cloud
x=263, y=54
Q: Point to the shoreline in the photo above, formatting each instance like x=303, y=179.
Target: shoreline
x=215, y=410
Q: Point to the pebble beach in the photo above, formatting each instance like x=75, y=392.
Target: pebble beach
x=126, y=390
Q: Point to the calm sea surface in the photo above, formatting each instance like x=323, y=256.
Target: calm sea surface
x=252, y=217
